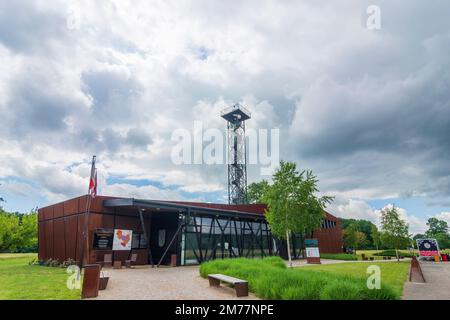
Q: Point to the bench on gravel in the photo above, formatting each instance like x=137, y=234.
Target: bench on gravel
x=241, y=286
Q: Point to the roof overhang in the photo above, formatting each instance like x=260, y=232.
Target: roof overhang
x=175, y=207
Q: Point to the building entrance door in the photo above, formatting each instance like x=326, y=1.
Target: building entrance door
x=164, y=226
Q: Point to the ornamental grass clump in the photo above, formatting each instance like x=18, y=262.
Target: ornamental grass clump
x=270, y=279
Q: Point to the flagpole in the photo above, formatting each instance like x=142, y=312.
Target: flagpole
x=84, y=247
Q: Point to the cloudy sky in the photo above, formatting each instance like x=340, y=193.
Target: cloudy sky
x=367, y=110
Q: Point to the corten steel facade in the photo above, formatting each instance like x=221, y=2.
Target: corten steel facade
x=193, y=232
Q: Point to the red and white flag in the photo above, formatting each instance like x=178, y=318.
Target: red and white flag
x=93, y=180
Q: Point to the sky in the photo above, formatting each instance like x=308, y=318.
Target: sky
x=367, y=110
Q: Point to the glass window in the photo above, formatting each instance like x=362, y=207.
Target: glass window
x=138, y=241
x=206, y=221
x=191, y=248
x=142, y=242
x=135, y=240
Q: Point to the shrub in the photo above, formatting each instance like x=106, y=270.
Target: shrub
x=270, y=279
x=67, y=263
x=391, y=253
x=339, y=256
x=53, y=263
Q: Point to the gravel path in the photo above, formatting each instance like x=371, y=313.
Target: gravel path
x=437, y=286
x=181, y=283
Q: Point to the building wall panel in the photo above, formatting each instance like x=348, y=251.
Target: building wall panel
x=40, y=215
x=71, y=233
x=41, y=241
x=58, y=210
x=330, y=239
x=96, y=205
x=48, y=238
x=48, y=213
x=59, y=243
x=70, y=207
x=81, y=225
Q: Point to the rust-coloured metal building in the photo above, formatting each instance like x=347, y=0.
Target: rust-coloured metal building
x=189, y=232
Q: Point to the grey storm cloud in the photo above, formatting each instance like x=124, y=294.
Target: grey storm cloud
x=24, y=27
x=112, y=91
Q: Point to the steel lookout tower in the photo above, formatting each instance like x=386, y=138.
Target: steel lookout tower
x=236, y=153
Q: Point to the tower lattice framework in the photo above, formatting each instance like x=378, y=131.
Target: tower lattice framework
x=236, y=153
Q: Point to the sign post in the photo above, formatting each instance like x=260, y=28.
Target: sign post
x=312, y=251
x=103, y=239
x=122, y=240
x=428, y=247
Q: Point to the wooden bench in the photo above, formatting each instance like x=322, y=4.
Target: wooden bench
x=241, y=286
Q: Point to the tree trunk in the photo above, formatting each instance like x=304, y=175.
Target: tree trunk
x=396, y=253
x=288, y=248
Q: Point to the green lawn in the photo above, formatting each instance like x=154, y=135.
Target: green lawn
x=21, y=281
x=392, y=273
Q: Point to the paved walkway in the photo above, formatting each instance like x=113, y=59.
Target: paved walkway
x=437, y=286
x=181, y=283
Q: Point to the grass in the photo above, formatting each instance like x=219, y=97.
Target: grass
x=372, y=253
x=270, y=279
x=339, y=256
x=392, y=273
x=21, y=281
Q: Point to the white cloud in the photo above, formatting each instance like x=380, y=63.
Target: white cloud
x=444, y=216
x=353, y=209
x=359, y=209
x=416, y=224
x=144, y=192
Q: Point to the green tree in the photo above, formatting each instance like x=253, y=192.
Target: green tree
x=292, y=203
x=443, y=240
x=364, y=226
x=419, y=236
x=360, y=239
x=18, y=231
x=350, y=238
x=376, y=237
x=353, y=238
x=395, y=230
x=9, y=225
x=438, y=229
x=436, y=226
x=28, y=230
x=256, y=190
